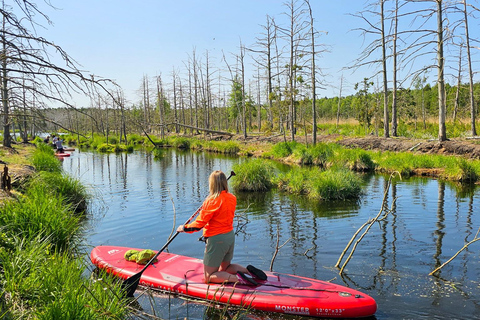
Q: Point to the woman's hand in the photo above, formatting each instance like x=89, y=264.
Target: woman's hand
x=180, y=228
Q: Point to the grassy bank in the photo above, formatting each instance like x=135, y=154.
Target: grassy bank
x=317, y=184
x=322, y=155
x=40, y=251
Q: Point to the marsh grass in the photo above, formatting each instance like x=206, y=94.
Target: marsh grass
x=44, y=284
x=181, y=142
x=455, y=168
x=43, y=159
x=224, y=147
x=353, y=159
x=254, y=175
x=330, y=184
x=38, y=213
x=283, y=149
x=72, y=192
x=463, y=171
x=42, y=273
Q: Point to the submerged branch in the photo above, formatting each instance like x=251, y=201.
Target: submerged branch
x=456, y=254
x=277, y=248
x=368, y=225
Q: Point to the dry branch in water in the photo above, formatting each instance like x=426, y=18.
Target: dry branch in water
x=277, y=248
x=456, y=254
x=368, y=225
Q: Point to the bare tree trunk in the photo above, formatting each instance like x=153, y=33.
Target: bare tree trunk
x=470, y=73
x=314, y=82
x=394, y=75
x=259, y=104
x=459, y=84
x=244, y=116
x=175, y=118
x=24, y=102
x=7, y=139
x=442, y=132
x=161, y=106
x=339, y=99
x=386, y=117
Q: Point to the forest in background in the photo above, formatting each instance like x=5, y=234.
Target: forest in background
x=280, y=96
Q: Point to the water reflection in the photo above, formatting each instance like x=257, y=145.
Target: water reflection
x=137, y=198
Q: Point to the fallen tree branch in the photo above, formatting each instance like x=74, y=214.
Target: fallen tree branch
x=192, y=127
x=277, y=248
x=456, y=254
x=368, y=225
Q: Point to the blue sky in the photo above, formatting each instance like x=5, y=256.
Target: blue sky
x=125, y=40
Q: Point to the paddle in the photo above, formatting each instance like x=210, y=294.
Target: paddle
x=131, y=284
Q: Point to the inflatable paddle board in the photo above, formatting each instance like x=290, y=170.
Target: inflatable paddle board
x=282, y=293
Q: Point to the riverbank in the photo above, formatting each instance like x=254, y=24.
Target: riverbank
x=41, y=246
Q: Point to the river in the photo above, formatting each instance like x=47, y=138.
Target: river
x=135, y=199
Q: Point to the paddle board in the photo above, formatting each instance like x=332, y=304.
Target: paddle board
x=282, y=293
x=62, y=155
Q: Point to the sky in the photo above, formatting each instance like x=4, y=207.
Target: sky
x=126, y=40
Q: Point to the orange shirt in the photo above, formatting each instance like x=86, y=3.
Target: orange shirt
x=216, y=215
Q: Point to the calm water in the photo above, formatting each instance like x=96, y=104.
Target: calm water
x=136, y=198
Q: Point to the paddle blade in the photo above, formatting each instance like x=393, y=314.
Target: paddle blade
x=129, y=285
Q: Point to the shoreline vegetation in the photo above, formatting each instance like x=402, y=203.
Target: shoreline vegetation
x=40, y=223
x=41, y=253
x=317, y=159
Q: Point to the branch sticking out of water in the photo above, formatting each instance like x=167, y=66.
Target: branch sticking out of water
x=367, y=225
x=277, y=248
x=456, y=254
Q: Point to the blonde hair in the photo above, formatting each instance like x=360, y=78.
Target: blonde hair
x=217, y=182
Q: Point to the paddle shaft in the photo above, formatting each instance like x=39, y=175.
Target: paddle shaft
x=131, y=283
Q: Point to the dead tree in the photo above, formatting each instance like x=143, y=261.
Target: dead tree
x=27, y=63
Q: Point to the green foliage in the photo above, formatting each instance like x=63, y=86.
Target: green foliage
x=463, y=171
x=224, y=147
x=181, y=143
x=72, y=192
x=41, y=277
x=97, y=140
x=52, y=285
x=105, y=147
x=354, y=159
x=135, y=139
x=41, y=214
x=331, y=184
x=283, y=149
x=254, y=175
x=43, y=159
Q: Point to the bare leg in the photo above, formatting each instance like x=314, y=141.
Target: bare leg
x=225, y=273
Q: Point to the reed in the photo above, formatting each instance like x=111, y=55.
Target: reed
x=322, y=154
x=254, y=175
x=43, y=159
x=41, y=284
x=106, y=148
x=72, y=192
x=353, y=159
x=181, y=142
x=336, y=185
x=38, y=213
x=295, y=180
x=283, y=149
x=331, y=184
x=463, y=171
x=224, y=147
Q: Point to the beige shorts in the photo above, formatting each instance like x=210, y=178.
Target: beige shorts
x=219, y=249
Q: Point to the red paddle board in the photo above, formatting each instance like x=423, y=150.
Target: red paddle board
x=62, y=154
x=281, y=293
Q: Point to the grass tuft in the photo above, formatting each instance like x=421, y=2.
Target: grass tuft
x=254, y=175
